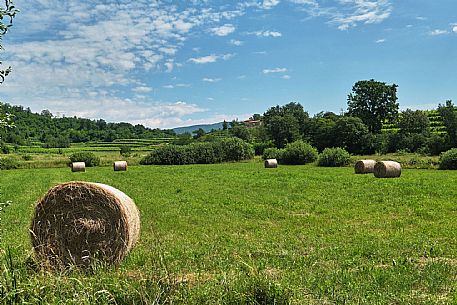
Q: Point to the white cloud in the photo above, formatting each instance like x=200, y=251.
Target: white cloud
x=204, y=59
x=223, y=30
x=266, y=34
x=268, y=4
x=142, y=89
x=348, y=13
x=286, y=77
x=380, y=40
x=210, y=58
x=275, y=70
x=438, y=32
x=454, y=29
x=211, y=80
x=236, y=42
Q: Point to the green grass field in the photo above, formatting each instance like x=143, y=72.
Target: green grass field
x=237, y=233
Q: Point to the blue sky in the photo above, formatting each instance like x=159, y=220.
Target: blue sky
x=176, y=63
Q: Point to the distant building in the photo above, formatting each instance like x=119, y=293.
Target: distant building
x=252, y=123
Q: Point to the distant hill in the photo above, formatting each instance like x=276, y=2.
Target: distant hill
x=205, y=127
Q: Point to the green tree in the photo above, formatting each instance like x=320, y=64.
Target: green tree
x=413, y=121
x=351, y=134
x=449, y=116
x=224, y=125
x=8, y=12
x=241, y=132
x=198, y=133
x=374, y=102
x=286, y=124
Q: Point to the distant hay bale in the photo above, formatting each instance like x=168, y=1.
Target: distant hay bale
x=271, y=163
x=82, y=223
x=387, y=169
x=120, y=166
x=78, y=167
x=364, y=166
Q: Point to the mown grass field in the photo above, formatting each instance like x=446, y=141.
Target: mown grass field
x=237, y=233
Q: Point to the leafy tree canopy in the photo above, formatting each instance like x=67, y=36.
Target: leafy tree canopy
x=413, y=121
x=7, y=13
x=374, y=103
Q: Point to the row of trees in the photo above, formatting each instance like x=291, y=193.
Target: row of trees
x=60, y=132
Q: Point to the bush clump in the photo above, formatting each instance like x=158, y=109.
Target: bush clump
x=8, y=163
x=85, y=156
x=231, y=149
x=334, y=157
x=298, y=152
x=448, y=159
x=272, y=153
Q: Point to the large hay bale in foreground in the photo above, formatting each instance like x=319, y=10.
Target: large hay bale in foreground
x=78, y=167
x=364, y=166
x=82, y=223
x=271, y=163
x=120, y=166
x=387, y=169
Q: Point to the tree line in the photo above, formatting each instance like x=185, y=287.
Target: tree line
x=43, y=127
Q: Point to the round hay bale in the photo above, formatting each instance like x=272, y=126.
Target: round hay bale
x=271, y=163
x=120, y=166
x=82, y=223
x=78, y=167
x=387, y=169
x=364, y=166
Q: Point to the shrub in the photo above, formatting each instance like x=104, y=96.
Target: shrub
x=5, y=148
x=272, y=153
x=125, y=150
x=298, y=152
x=448, y=159
x=8, y=163
x=232, y=149
x=259, y=147
x=85, y=156
x=235, y=149
x=334, y=157
x=26, y=157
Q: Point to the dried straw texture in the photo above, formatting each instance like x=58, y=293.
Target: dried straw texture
x=271, y=163
x=364, y=166
x=387, y=169
x=120, y=166
x=81, y=223
x=78, y=167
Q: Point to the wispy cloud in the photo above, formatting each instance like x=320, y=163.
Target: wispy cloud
x=223, y=30
x=210, y=58
x=236, y=42
x=266, y=34
x=380, y=40
x=211, y=80
x=454, y=27
x=275, y=70
x=438, y=32
x=346, y=14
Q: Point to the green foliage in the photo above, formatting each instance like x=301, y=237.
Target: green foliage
x=259, y=147
x=8, y=11
x=125, y=150
x=226, y=150
x=242, y=132
x=448, y=159
x=352, y=134
x=5, y=149
x=413, y=121
x=8, y=163
x=449, y=115
x=334, y=157
x=374, y=102
x=85, y=156
x=299, y=152
x=272, y=153
x=285, y=124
